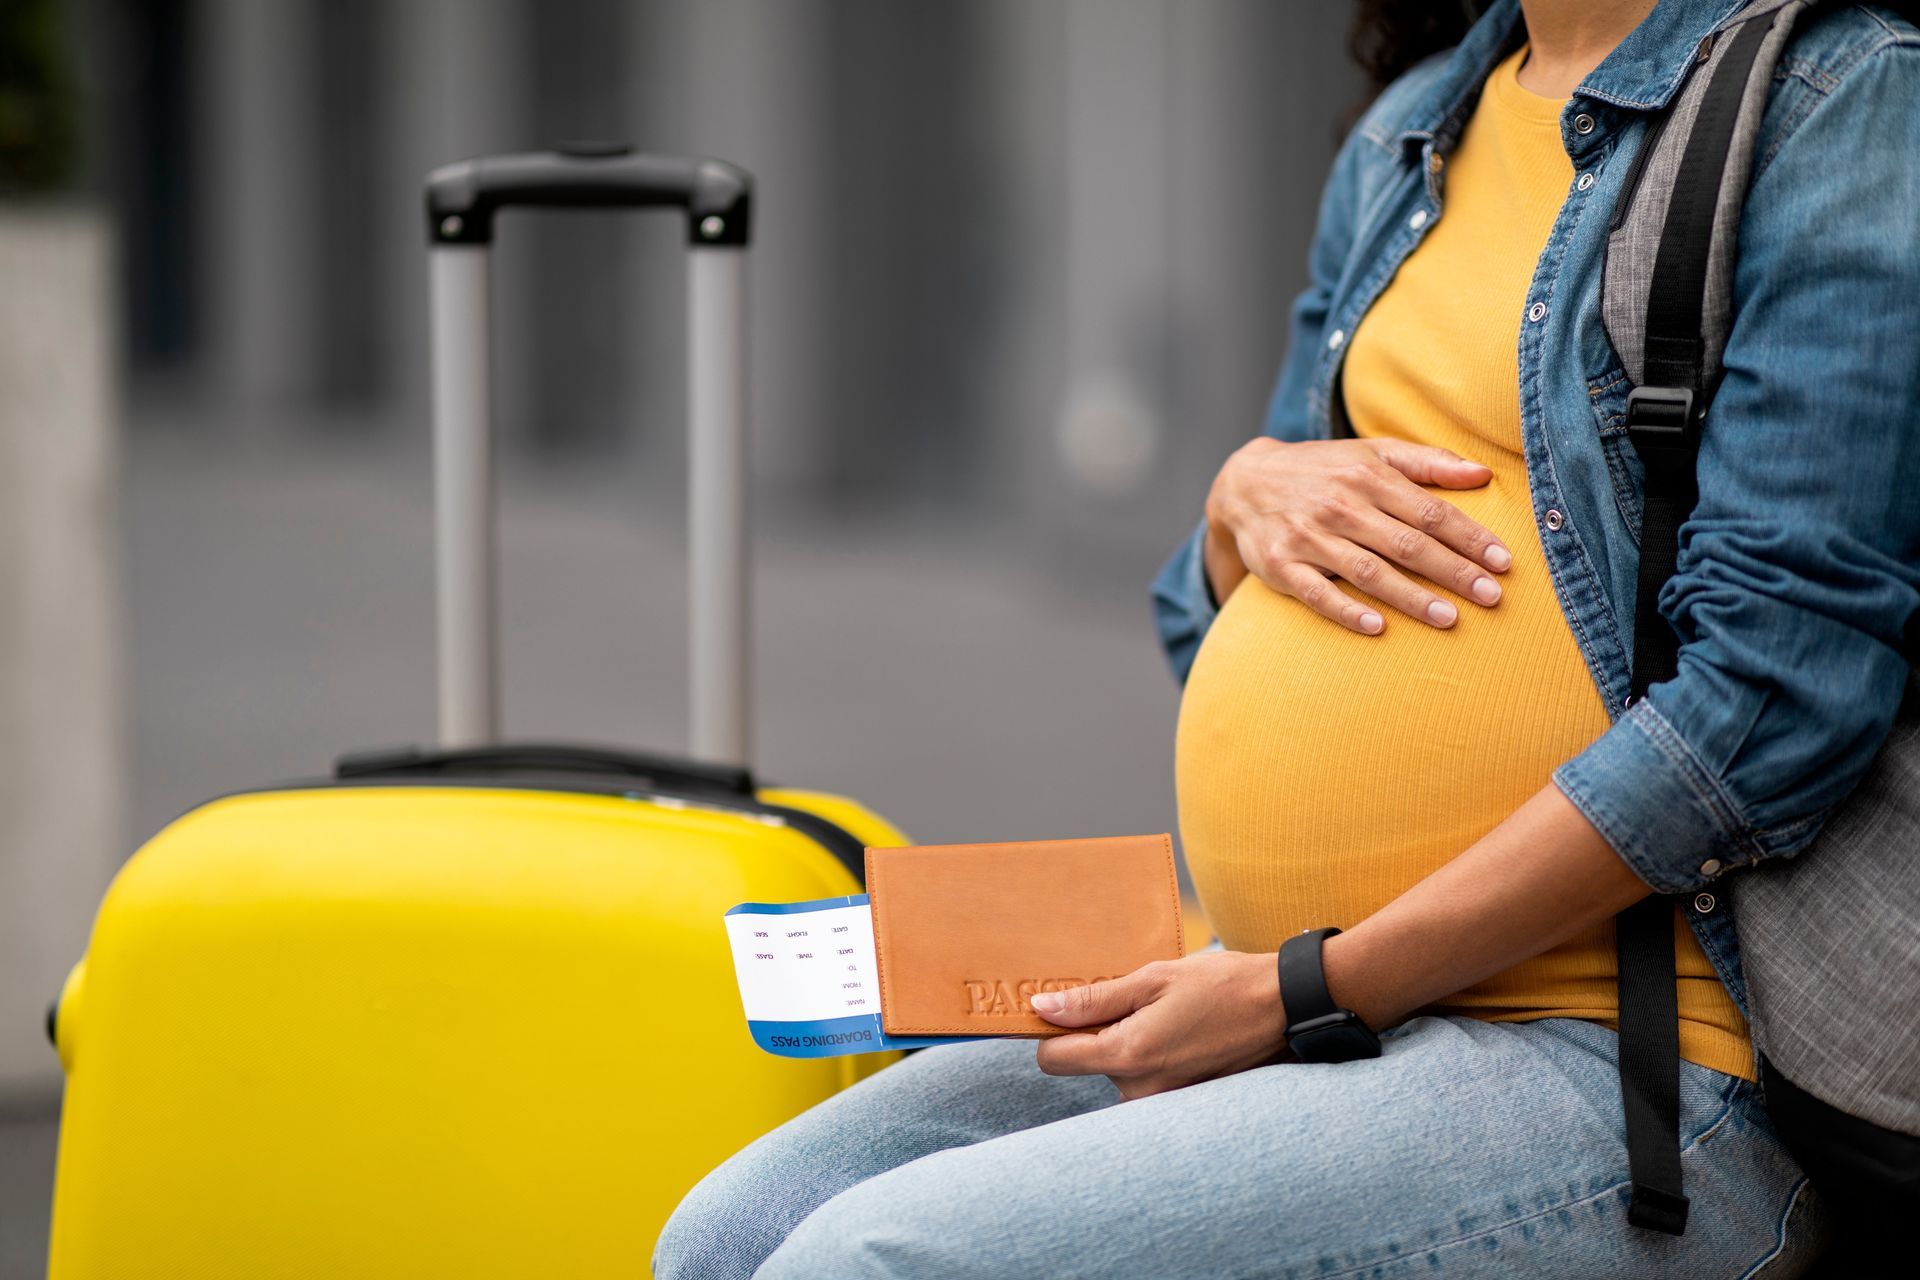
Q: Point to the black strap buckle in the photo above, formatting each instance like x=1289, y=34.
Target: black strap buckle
x=1656, y=1209
x=1662, y=419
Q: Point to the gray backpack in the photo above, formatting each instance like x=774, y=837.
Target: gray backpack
x=1830, y=939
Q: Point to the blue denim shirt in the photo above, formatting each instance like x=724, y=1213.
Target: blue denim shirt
x=1800, y=567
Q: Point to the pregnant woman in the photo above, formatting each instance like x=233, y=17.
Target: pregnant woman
x=1407, y=721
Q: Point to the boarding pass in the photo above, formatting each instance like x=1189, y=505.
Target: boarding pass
x=809, y=980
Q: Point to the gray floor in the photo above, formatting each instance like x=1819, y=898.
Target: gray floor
x=26, y=1192
x=969, y=682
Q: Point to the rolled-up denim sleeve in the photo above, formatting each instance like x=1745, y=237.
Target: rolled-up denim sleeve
x=1799, y=570
x=1183, y=603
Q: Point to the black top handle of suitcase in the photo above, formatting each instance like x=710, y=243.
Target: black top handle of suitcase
x=461, y=201
x=655, y=772
x=463, y=197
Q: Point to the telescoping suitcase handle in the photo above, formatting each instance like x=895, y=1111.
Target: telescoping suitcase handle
x=462, y=200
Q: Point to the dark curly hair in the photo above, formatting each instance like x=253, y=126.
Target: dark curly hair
x=1389, y=36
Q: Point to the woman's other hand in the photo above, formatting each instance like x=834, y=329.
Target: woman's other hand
x=1168, y=1024
x=1294, y=515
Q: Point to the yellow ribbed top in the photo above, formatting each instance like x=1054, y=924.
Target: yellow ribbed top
x=1321, y=772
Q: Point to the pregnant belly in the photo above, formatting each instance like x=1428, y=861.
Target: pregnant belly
x=1322, y=772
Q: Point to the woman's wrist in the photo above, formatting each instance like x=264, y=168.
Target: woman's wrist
x=1358, y=981
x=1220, y=549
x=1260, y=980
x=1220, y=563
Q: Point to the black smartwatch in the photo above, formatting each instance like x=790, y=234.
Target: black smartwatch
x=1318, y=1030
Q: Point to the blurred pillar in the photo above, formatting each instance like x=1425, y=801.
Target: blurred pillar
x=143, y=142
x=61, y=769
x=919, y=241
x=260, y=200
x=747, y=81
x=1112, y=423
x=576, y=335
x=1025, y=48
x=355, y=343
x=453, y=82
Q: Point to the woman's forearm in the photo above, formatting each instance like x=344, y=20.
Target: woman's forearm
x=1534, y=881
x=1531, y=883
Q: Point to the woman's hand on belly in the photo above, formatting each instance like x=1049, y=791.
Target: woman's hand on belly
x=1171, y=1023
x=1295, y=514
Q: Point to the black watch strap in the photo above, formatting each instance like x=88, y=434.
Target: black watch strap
x=1303, y=979
x=1318, y=1030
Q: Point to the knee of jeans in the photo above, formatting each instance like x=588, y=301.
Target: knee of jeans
x=682, y=1246
x=880, y=1230
x=828, y=1244
x=710, y=1235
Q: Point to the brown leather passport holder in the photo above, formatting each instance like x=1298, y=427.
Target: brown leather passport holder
x=966, y=934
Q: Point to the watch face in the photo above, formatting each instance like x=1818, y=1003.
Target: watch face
x=1343, y=1041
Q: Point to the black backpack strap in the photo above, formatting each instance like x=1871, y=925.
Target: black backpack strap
x=1663, y=422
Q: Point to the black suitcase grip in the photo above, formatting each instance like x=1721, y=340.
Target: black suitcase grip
x=664, y=772
x=463, y=197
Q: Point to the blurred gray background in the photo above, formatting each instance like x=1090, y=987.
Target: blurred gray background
x=1020, y=284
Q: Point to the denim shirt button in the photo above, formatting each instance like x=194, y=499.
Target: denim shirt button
x=1704, y=903
x=1586, y=182
x=1537, y=312
x=1335, y=338
x=1711, y=867
x=1418, y=220
x=1554, y=521
x=1583, y=124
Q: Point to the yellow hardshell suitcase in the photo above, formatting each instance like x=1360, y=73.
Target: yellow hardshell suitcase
x=466, y=1011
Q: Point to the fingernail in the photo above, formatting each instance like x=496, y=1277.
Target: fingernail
x=1442, y=614
x=1371, y=623
x=1049, y=1002
x=1486, y=590
x=1499, y=559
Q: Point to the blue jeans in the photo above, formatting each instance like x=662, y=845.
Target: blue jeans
x=1468, y=1148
